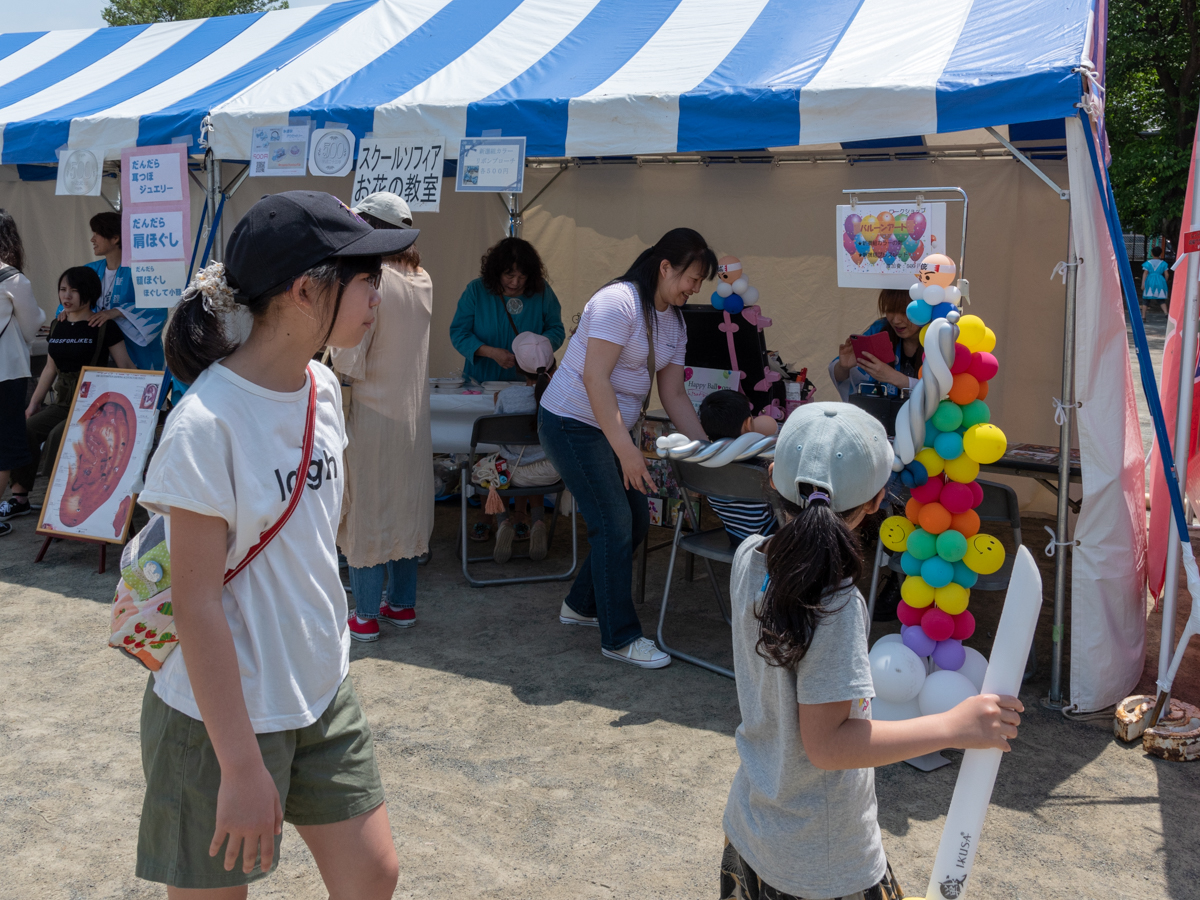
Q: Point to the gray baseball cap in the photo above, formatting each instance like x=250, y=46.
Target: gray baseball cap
x=387, y=206
x=835, y=447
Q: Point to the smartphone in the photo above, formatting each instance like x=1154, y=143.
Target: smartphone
x=878, y=345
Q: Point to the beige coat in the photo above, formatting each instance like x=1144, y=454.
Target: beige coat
x=387, y=512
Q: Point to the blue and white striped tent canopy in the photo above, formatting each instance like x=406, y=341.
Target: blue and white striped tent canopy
x=576, y=77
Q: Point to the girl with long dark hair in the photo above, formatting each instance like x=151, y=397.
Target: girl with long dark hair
x=801, y=816
x=630, y=328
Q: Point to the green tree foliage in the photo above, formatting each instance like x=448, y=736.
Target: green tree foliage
x=141, y=12
x=1153, y=90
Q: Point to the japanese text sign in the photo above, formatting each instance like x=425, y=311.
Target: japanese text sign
x=278, y=150
x=491, y=164
x=155, y=222
x=412, y=171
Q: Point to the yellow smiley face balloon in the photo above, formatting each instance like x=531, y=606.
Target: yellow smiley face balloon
x=894, y=532
x=985, y=554
x=916, y=592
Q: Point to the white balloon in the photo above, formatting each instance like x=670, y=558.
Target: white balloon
x=883, y=711
x=750, y=295
x=902, y=444
x=953, y=294
x=934, y=294
x=915, y=290
x=739, y=286
x=890, y=639
x=974, y=667
x=897, y=672
x=942, y=691
x=724, y=288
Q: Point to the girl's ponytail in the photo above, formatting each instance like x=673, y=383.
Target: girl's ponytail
x=196, y=337
x=811, y=555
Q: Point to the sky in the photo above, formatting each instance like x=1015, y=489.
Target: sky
x=48, y=15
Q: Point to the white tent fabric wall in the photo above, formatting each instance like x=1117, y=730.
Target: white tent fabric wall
x=1108, y=572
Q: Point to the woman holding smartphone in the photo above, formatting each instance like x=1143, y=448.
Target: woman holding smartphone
x=849, y=371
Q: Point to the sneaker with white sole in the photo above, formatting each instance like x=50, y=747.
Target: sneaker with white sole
x=363, y=631
x=504, y=541
x=539, y=543
x=11, y=508
x=400, y=617
x=568, y=616
x=643, y=653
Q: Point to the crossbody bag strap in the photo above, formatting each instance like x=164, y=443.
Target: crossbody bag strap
x=309, y=428
x=7, y=272
x=511, y=321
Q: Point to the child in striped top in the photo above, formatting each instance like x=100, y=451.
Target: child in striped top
x=726, y=414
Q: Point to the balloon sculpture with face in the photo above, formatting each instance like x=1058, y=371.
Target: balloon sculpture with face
x=943, y=436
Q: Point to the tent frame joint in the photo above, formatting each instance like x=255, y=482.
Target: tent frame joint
x=1020, y=157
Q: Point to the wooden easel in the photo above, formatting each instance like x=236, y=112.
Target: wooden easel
x=71, y=537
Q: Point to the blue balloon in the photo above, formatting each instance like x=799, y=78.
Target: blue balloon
x=949, y=445
x=734, y=304
x=939, y=311
x=906, y=478
x=918, y=312
x=888, y=259
x=937, y=572
x=910, y=564
x=917, y=472
x=931, y=435
x=718, y=301
x=963, y=575
x=862, y=245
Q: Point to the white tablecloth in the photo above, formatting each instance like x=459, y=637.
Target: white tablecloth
x=453, y=415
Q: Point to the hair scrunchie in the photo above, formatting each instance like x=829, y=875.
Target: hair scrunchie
x=215, y=292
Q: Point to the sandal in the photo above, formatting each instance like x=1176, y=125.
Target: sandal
x=480, y=532
x=522, y=531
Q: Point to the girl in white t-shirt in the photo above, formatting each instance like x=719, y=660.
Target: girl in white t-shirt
x=801, y=816
x=254, y=720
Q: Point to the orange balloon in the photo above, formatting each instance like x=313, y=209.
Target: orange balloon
x=983, y=391
x=912, y=510
x=934, y=518
x=966, y=523
x=965, y=389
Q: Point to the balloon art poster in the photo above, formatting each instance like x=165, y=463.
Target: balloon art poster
x=881, y=245
x=102, y=454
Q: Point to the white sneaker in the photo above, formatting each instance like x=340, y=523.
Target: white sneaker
x=504, y=541
x=568, y=616
x=643, y=652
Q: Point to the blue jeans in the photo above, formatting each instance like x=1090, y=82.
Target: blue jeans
x=617, y=520
x=367, y=585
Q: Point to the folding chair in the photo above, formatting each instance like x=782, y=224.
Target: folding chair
x=736, y=481
x=518, y=430
x=999, y=505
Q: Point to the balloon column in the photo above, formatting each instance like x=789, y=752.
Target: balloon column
x=733, y=291
x=943, y=435
x=906, y=689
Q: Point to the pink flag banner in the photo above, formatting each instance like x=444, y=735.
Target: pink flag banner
x=156, y=222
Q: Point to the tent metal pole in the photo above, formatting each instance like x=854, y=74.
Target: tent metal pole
x=1183, y=440
x=1055, y=699
x=213, y=191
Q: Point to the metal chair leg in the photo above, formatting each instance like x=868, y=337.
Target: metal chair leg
x=662, y=614
x=874, y=581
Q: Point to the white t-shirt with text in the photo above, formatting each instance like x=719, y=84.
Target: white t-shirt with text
x=231, y=450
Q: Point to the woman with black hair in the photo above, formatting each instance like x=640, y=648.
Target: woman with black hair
x=510, y=296
x=20, y=318
x=850, y=372
x=630, y=328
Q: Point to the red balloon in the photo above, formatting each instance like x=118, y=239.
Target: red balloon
x=962, y=359
x=964, y=625
x=983, y=366
x=879, y=246
x=957, y=498
x=937, y=624
x=976, y=494
x=848, y=243
x=909, y=615
x=929, y=491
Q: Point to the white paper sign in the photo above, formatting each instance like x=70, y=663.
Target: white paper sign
x=880, y=245
x=699, y=382
x=155, y=179
x=409, y=169
x=492, y=164
x=331, y=152
x=79, y=173
x=159, y=284
x=157, y=236
x=279, y=151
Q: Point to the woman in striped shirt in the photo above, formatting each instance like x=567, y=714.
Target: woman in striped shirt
x=586, y=415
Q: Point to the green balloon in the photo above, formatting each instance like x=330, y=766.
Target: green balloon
x=923, y=545
x=947, y=417
x=975, y=413
x=951, y=545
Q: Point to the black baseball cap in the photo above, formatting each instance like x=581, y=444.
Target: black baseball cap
x=285, y=235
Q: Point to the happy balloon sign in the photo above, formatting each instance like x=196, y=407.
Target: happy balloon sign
x=881, y=245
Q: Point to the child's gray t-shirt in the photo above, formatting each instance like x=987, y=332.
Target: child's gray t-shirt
x=519, y=399
x=805, y=831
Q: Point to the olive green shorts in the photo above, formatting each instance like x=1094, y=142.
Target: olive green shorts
x=324, y=772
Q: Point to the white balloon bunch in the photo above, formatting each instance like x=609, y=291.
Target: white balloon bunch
x=905, y=688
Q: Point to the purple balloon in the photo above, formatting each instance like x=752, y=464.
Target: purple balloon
x=893, y=246
x=949, y=654
x=848, y=243
x=918, y=641
x=916, y=225
x=853, y=222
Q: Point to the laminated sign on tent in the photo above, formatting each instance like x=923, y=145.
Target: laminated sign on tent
x=587, y=79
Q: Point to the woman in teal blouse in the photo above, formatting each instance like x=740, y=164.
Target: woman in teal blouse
x=509, y=296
